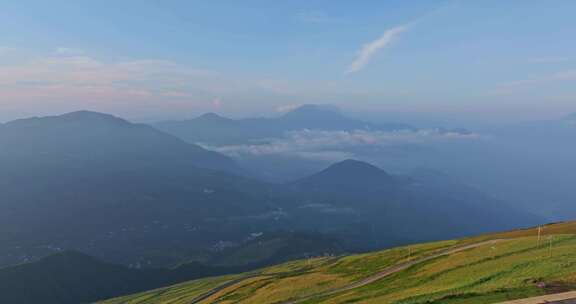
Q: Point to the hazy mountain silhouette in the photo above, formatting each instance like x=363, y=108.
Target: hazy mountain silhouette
x=398, y=207
x=213, y=129
x=347, y=173
x=85, y=137
x=112, y=180
x=129, y=193
x=72, y=277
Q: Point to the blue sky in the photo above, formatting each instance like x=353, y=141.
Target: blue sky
x=166, y=59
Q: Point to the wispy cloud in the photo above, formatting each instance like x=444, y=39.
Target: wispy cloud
x=370, y=49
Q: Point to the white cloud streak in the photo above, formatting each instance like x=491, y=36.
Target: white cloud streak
x=370, y=49
x=338, y=145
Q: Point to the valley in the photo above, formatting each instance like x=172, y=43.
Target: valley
x=144, y=198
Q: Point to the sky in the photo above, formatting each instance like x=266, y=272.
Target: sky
x=154, y=60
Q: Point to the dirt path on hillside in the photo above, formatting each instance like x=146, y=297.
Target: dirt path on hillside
x=389, y=271
x=214, y=291
x=233, y=282
x=559, y=298
x=371, y=279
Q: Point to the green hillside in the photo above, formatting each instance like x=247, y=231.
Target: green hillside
x=484, y=269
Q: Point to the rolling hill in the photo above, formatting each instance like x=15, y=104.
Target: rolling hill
x=73, y=277
x=129, y=190
x=388, y=210
x=80, y=138
x=484, y=269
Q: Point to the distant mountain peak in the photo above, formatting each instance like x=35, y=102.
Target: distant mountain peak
x=91, y=115
x=211, y=116
x=353, y=167
x=353, y=162
x=79, y=117
x=317, y=107
x=85, y=113
x=216, y=130
x=313, y=110
x=349, y=172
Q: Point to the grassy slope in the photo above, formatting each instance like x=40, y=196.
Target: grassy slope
x=174, y=294
x=507, y=269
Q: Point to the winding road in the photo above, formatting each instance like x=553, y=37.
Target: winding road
x=371, y=279
x=559, y=298
x=389, y=271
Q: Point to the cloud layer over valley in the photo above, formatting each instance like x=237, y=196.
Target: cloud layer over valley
x=338, y=145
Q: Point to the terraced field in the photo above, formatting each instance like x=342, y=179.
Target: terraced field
x=484, y=269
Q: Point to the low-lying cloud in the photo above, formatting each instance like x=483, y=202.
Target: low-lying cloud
x=338, y=145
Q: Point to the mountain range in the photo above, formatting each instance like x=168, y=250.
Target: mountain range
x=83, y=137
x=213, y=129
x=130, y=194
x=123, y=187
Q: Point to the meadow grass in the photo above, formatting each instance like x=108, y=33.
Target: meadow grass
x=509, y=268
x=176, y=294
